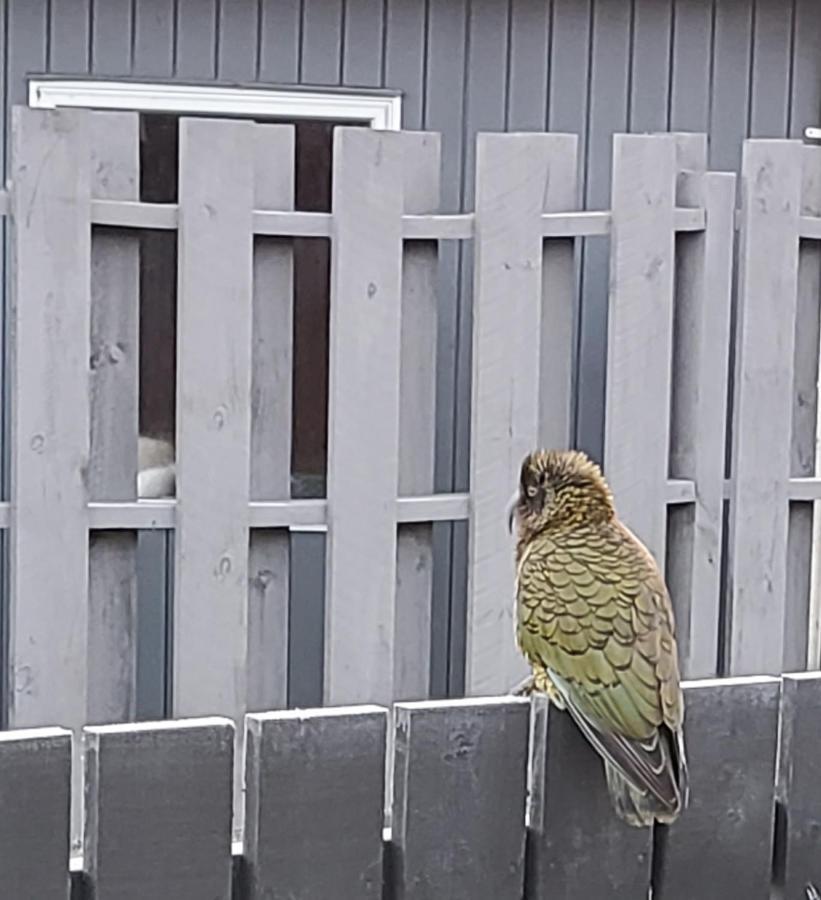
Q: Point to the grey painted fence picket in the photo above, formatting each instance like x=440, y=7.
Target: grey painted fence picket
x=494, y=799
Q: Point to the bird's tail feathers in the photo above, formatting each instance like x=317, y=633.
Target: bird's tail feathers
x=637, y=808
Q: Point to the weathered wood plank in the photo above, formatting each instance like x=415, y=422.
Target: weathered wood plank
x=115, y=285
x=214, y=421
x=35, y=777
x=639, y=336
x=768, y=284
x=50, y=326
x=512, y=175
x=458, y=804
x=701, y=335
x=799, y=784
x=363, y=429
x=803, y=566
x=417, y=422
x=315, y=785
x=158, y=817
x=559, y=295
x=721, y=845
x=272, y=358
x=577, y=847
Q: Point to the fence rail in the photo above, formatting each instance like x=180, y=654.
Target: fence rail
x=492, y=798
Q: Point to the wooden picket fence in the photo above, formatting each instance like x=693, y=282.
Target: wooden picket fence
x=736, y=544
x=489, y=803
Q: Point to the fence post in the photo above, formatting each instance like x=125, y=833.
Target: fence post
x=271, y=414
x=765, y=343
x=515, y=176
x=801, y=643
x=115, y=298
x=363, y=416
x=701, y=344
x=417, y=422
x=639, y=332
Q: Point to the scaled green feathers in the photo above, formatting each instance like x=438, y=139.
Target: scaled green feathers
x=594, y=621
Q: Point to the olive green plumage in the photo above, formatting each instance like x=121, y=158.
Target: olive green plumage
x=594, y=621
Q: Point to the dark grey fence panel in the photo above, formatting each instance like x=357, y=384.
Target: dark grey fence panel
x=577, y=846
x=458, y=806
x=799, y=784
x=721, y=846
x=35, y=778
x=158, y=810
x=315, y=803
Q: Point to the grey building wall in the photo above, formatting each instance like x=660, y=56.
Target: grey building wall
x=729, y=67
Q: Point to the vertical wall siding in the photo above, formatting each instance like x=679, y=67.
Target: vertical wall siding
x=732, y=67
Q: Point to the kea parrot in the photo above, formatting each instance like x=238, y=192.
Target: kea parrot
x=595, y=623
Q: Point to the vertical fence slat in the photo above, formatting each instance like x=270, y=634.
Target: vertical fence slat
x=315, y=794
x=512, y=174
x=115, y=289
x=639, y=332
x=458, y=805
x=721, y=846
x=559, y=295
x=272, y=360
x=35, y=778
x=417, y=422
x=363, y=426
x=798, y=860
x=805, y=518
x=577, y=847
x=50, y=327
x=699, y=403
x=158, y=817
x=213, y=411
x=765, y=341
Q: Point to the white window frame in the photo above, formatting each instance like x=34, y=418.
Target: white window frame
x=382, y=111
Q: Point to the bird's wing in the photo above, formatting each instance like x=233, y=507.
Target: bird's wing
x=594, y=611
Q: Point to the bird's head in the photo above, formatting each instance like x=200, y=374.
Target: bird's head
x=558, y=489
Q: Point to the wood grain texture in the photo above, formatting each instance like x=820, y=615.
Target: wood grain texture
x=363, y=426
x=50, y=327
x=271, y=413
x=512, y=174
x=315, y=780
x=799, y=784
x=113, y=460
x=417, y=422
x=768, y=284
x=639, y=338
x=577, y=847
x=35, y=781
x=458, y=816
x=158, y=821
x=214, y=421
x=701, y=335
x=721, y=845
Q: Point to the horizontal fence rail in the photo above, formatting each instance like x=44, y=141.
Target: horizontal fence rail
x=495, y=798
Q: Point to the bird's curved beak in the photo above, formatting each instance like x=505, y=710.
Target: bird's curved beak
x=510, y=511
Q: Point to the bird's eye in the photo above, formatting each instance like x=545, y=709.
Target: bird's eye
x=532, y=491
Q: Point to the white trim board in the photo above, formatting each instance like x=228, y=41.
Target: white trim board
x=382, y=111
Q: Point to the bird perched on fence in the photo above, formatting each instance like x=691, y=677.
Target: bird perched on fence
x=595, y=622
